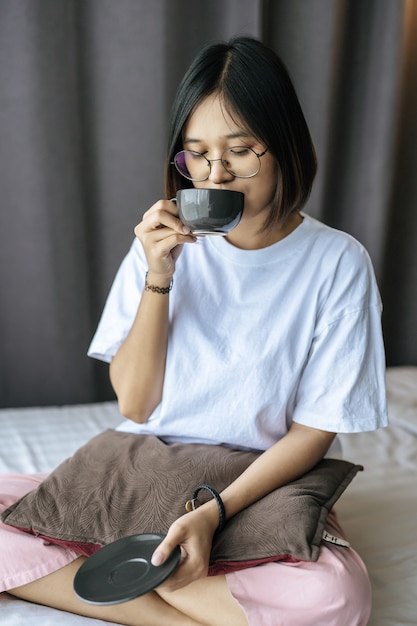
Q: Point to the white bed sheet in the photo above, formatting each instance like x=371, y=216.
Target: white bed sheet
x=37, y=440
x=378, y=510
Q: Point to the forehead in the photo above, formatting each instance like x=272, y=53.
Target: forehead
x=212, y=118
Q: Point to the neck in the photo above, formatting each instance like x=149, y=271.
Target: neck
x=246, y=237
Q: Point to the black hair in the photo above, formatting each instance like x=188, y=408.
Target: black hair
x=254, y=85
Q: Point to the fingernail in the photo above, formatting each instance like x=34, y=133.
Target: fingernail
x=157, y=559
x=186, y=230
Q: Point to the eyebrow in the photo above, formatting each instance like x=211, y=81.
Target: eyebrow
x=240, y=134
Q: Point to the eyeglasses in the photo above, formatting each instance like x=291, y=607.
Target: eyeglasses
x=239, y=161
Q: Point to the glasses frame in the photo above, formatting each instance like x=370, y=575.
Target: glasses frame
x=210, y=161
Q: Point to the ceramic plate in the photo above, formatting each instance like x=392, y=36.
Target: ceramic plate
x=122, y=570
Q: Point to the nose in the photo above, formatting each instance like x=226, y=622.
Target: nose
x=219, y=173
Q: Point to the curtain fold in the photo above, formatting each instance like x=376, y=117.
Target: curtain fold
x=86, y=90
x=44, y=312
x=399, y=270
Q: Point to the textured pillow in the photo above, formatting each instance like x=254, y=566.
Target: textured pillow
x=120, y=484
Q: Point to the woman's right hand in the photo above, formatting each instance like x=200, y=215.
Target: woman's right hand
x=162, y=235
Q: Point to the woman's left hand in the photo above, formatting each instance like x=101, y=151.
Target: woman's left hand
x=193, y=532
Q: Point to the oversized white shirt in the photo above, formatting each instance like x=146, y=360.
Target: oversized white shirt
x=261, y=338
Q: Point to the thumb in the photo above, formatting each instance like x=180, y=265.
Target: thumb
x=162, y=552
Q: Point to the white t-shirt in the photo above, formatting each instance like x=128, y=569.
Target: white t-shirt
x=261, y=338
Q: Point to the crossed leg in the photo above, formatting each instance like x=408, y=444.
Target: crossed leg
x=195, y=605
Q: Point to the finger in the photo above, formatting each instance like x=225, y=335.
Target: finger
x=159, y=245
x=164, y=237
x=193, y=564
x=164, y=214
x=158, y=222
x=190, y=569
x=169, y=248
x=162, y=248
x=162, y=552
x=165, y=205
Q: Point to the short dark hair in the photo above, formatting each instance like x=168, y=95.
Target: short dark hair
x=253, y=83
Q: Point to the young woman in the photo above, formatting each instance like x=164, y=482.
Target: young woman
x=268, y=339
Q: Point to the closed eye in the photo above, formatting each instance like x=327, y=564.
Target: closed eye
x=240, y=151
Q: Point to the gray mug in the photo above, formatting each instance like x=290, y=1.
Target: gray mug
x=210, y=211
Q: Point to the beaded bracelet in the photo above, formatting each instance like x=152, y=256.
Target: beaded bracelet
x=155, y=288
x=190, y=504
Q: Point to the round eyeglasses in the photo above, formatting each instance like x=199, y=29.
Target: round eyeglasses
x=239, y=161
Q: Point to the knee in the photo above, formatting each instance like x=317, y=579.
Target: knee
x=346, y=594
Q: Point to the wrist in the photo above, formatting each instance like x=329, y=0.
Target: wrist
x=158, y=283
x=213, y=509
x=208, y=513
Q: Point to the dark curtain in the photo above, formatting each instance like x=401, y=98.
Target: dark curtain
x=86, y=87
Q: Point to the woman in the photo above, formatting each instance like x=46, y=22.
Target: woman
x=268, y=339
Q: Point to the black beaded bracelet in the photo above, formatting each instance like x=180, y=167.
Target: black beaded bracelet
x=155, y=288
x=190, y=505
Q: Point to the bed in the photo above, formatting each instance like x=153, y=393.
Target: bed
x=378, y=510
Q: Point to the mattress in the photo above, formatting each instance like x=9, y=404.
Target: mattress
x=378, y=510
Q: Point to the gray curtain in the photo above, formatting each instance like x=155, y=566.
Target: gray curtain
x=86, y=86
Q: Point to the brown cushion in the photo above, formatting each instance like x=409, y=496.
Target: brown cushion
x=120, y=484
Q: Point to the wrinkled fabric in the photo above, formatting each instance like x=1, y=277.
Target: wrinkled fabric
x=120, y=484
x=24, y=557
x=333, y=591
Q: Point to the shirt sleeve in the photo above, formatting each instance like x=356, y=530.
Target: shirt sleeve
x=342, y=386
x=121, y=305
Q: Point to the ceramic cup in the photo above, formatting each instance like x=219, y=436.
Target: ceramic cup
x=210, y=211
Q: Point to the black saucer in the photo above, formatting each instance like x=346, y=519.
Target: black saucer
x=122, y=570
